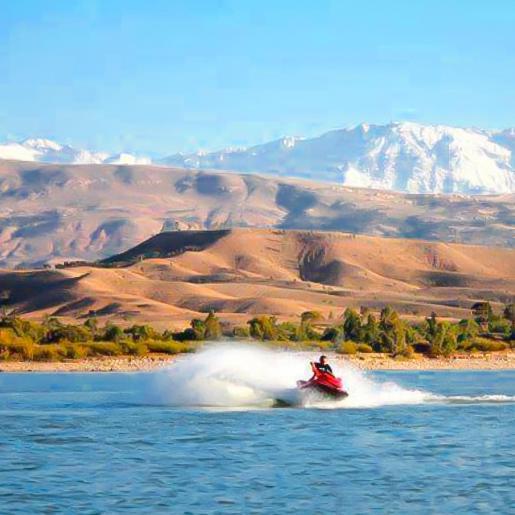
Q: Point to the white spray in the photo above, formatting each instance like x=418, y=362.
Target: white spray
x=244, y=375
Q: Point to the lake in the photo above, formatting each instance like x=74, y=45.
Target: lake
x=92, y=443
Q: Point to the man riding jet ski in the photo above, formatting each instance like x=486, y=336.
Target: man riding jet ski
x=323, y=380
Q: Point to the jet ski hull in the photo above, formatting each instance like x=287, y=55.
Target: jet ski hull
x=325, y=384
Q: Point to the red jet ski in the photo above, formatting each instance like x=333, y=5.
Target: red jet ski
x=324, y=383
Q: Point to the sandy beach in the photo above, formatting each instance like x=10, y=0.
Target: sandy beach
x=480, y=361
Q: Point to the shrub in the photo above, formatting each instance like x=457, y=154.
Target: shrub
x=49, y=352
x=311, y=316
x=74, y=351
x=332, y=334
x=21, y=350
x=69, y=333
x=485, y=345
x=105, y=349
x=15, y=347
x=264, y=328
x=141, y=332
x=347, y=348
x=241, y=332
x=364, y=347
x=213, y=328
x=23, y=328
x=500, y=325
x=317, y=344
x=408, y=352
x=134, y=348
x=113, y=333
x=422, y=347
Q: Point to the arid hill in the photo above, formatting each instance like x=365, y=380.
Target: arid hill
x=53, y=213
x=175, y=276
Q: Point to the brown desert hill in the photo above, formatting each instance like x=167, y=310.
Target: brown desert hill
x=175, y=276
x=55, y=213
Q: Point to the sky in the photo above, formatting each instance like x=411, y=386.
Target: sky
x=162, y=76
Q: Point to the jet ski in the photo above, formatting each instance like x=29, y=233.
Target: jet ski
x=324, y=383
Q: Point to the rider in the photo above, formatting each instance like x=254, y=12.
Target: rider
x=322, y=365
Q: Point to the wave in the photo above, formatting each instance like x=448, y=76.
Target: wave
x=228, y=375
x=473, y=399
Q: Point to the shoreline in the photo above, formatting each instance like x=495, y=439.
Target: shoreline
x=483, y=361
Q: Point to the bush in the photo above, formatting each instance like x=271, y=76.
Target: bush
x=134, y=348
x=422, y=347
x=241, y=332
x=141, y=332
x=484, y=345
x=76, y=351
x=347, y=348
x=364, y=347
x=15, y=347
x=408, y=352
x=501, y=326
x=105, y=349
x=16, y=351
x=69, y=333
x=49, y=352
x=113, y=333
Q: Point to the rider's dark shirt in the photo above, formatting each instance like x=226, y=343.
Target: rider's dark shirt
x=324, y=368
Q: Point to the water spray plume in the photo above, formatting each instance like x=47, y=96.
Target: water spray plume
x=229, y=375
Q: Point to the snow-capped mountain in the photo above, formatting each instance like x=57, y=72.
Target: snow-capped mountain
x=406, y=157
x=48, y=151
x=127, y=159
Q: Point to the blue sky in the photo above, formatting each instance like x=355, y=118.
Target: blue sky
x=164, y=76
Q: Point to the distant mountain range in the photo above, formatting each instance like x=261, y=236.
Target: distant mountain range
x=48, y=151
x=406, y=157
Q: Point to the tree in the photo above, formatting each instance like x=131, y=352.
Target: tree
x=213, y=328
x=467, y=330
x=370, y=330
x=92, y=324
x=509, y=314
x=393, y=334
x=483, y=313
x=432, y=326
x=264, y=328
x=305, y=331
x=199, y=329
x=142, y=333
x=332, y=334
x=113, y=333
x=311, y=316
x=351, y=324
x=22, y=328
x=69, y=333
x=444, y=341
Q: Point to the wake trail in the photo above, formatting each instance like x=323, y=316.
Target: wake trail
x=228, y=375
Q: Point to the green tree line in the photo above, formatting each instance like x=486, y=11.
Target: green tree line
x=355, y=331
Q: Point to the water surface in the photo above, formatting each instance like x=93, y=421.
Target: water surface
x=92, y=443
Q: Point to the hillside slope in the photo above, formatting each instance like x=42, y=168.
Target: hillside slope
x=243, y=272
x=52, y=213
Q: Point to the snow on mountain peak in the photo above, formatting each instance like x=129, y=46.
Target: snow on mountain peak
x=401, y=156
x=48, y=151
x=127, y=159
x=289, y=142
x=42, y=144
